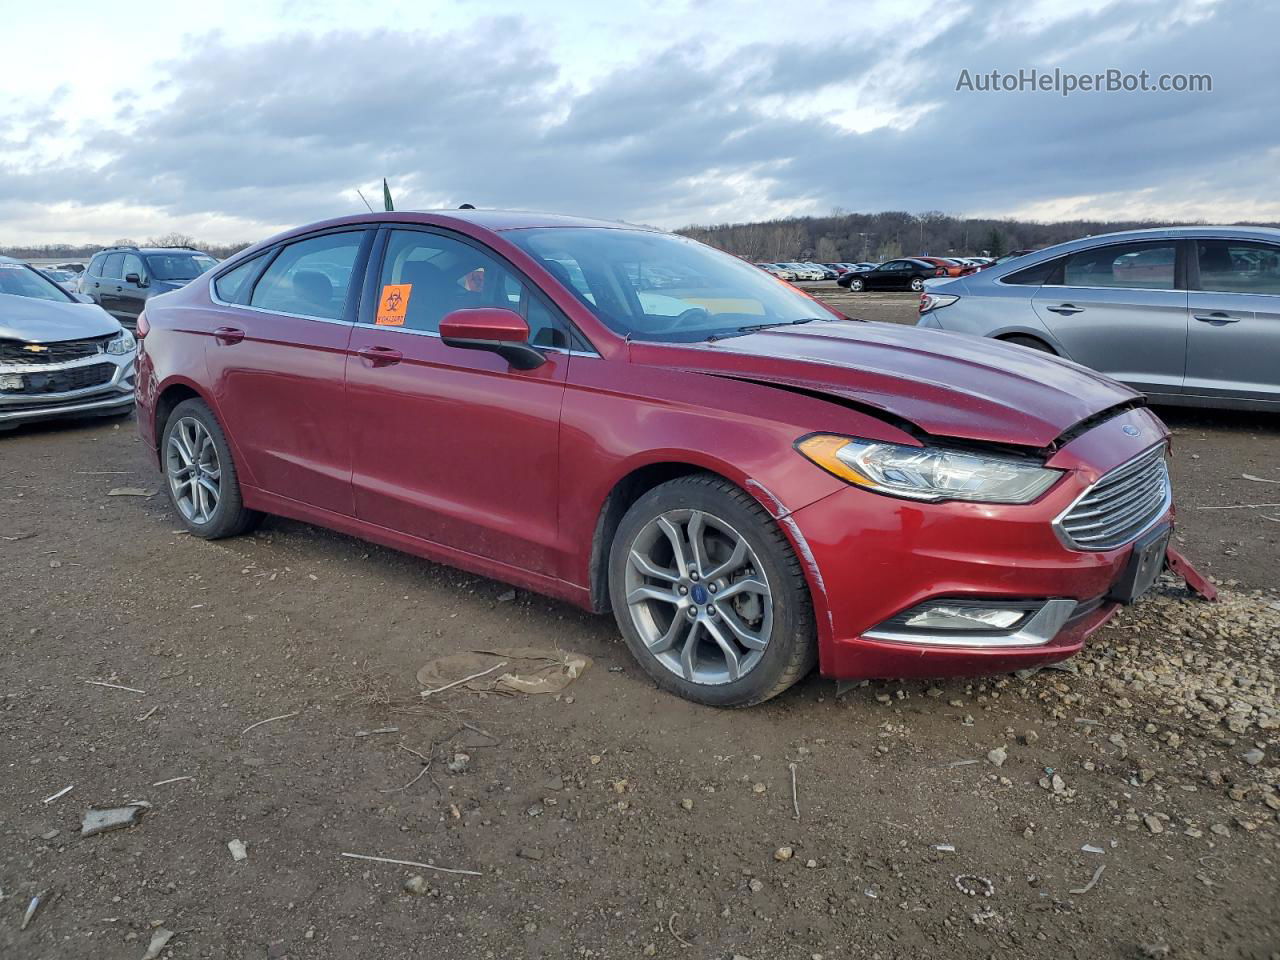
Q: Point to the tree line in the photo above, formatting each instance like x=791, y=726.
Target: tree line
x=83, y=251
x=854, y=237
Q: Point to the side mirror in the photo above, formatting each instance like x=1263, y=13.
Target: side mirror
x=135, y=279
x=496, y=329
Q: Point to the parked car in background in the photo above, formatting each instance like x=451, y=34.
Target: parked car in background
x=750, y=482
x=779, y=270
x=824, y=272
x=1186, y=315
x=59, y=357
x=64, y=278
x=903, y=274
x=806, y=271
x=950, y=267
x=122, y=279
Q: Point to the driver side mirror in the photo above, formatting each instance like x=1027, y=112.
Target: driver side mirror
x=496, y=329
x=135, y=279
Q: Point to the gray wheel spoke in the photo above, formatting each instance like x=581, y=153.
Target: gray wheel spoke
x=731, y=658
x=640, y=594
x=678, y=546
x=651, y=569
x=749, y=585
x=668, y=640
x=697, y=546
x=735, y=561
x=750, y=640
x=689, y=652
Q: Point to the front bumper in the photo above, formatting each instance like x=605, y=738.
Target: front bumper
x=870, y=558
x=114, y=394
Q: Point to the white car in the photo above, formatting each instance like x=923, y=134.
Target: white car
x=779, y=270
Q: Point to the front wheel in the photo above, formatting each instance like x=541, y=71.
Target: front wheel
x=856, y=285
x=709, y=595
x=201, y=476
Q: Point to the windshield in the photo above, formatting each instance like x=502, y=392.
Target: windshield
x=178, y=266
x=19, y=280
x=656, y=286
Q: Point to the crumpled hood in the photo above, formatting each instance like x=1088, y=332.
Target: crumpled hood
x=947, y=384
x=47, y=321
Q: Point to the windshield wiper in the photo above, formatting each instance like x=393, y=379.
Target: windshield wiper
x=757, y=327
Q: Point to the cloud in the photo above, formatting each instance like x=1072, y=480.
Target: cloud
x=254, y=136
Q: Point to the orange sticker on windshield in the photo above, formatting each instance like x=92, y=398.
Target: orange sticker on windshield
x=393, y=305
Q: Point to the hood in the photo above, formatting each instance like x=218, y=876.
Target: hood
x=947, y=384
x=47, y=321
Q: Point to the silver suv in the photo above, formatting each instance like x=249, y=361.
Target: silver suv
x=1187, y=315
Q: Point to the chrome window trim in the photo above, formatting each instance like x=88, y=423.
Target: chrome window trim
x=1038, y=630
x=367, y=326
x=1067, y=286
x=1165, y=504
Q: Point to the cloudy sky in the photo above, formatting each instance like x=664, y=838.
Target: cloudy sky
x=265, y=114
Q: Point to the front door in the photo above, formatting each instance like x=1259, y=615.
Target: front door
x=277, y=356
x=1122, y=310
x=455, y=446
x=1233, y=348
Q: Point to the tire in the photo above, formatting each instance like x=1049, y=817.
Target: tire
x=686, y=653
x=1031, y=343
x=192, y=432
x=856, y=285
x=916, y=284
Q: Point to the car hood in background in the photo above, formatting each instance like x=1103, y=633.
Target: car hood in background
x=947, y=384
x=46, y=321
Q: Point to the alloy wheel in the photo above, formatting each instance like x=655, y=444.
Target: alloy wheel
x=194, y=471
x=698, y=597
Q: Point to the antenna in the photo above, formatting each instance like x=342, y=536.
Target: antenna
x=366, y=202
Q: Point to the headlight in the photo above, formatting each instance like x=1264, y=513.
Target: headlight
x=928, y=473
x=122, y=345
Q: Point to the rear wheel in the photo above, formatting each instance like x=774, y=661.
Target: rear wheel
x=917, y=284
x=201, y=475
x=709, y=596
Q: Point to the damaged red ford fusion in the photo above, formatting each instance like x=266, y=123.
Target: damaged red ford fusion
x=631, y=421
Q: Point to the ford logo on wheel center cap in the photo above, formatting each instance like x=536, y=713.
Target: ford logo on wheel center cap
x=1131, y=430
x=700, y=594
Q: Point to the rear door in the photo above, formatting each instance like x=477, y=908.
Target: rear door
x=1121, y=309
x=1234, y=339
x=131, y=295
x=110, y=285
x=277, y=360
x=455, y=446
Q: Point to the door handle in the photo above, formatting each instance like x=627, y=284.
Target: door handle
x=228, y=335
x=1217, y=318
x=380, y=356
x=1066, y=309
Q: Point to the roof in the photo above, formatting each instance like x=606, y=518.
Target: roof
x=523, y=219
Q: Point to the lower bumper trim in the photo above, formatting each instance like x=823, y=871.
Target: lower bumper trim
x=49, y=411
x=1038, y=630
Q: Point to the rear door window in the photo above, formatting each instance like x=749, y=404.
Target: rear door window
x=1236, y=266
x=310, y=278
x=233, y=286
x=1148, y=266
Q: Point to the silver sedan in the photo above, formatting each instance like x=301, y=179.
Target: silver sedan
x=1186, y=315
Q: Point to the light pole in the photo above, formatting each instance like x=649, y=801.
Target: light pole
x=864, y=246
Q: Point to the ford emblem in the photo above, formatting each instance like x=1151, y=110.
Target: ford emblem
x=1131, y=430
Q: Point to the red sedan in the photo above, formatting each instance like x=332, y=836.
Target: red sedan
x=635, y=422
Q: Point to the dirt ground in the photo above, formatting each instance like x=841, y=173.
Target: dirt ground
x=612, y=821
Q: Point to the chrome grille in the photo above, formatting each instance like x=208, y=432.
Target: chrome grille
x=21, y=353
x=1121, y=505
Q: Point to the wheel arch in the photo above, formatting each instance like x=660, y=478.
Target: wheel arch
x=639, y=479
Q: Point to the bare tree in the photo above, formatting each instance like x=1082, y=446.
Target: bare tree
x=172, y=240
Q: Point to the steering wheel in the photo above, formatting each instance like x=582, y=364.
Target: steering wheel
x=692, y=315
